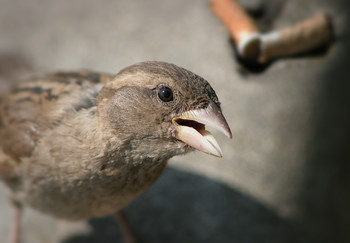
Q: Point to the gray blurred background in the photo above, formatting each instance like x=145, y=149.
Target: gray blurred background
x=285, y=175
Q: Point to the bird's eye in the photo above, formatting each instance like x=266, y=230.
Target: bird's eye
x=165, y=94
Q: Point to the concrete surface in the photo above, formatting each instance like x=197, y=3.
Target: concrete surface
x=284, y=176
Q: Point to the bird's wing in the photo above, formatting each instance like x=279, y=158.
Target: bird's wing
x=39, y=104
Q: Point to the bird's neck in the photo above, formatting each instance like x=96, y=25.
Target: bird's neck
x=140, y=151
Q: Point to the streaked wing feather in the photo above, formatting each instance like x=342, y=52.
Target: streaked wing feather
x=39, y=104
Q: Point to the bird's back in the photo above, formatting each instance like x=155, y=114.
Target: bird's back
x=39, y=104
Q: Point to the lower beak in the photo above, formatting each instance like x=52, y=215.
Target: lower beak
x=190, y=128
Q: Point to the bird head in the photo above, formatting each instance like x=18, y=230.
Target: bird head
x=163, y=105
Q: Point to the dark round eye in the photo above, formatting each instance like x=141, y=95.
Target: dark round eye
x=165, y=94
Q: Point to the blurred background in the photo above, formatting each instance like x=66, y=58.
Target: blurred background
x=284, y=176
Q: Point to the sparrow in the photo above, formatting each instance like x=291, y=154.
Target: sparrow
x=77, y=145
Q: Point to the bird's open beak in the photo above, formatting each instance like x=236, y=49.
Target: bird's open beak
x=190, y=128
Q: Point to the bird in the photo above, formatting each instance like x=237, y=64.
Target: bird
x=78, y=145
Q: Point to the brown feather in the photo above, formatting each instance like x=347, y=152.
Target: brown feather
x=39, y=104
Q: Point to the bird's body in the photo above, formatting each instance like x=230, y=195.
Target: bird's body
x=80, y=145
x=59, y=159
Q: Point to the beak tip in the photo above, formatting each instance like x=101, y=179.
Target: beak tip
x=228, y=133
x=215, y=154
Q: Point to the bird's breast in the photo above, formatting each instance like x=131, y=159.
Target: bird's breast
x=97, y=194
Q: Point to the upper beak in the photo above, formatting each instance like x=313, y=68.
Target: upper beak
x=190, y=128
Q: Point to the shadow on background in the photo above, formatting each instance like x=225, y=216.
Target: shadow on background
x=325, y=197
x=184, y=207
